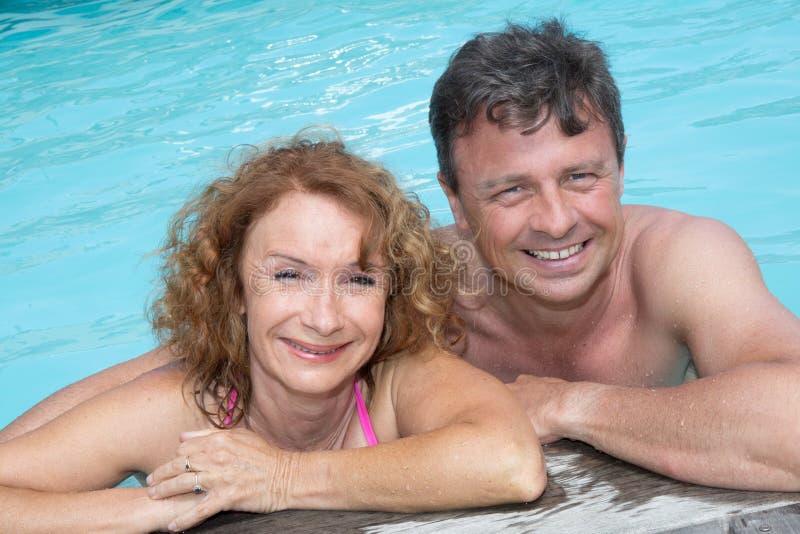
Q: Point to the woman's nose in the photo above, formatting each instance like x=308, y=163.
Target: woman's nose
x=322, y=311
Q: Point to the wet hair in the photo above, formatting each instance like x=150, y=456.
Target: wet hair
x=518, y=78
x=198, y=311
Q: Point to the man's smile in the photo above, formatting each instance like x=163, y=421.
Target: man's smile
x=559, y=254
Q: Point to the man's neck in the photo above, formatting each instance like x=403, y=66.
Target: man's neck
x=566, y=320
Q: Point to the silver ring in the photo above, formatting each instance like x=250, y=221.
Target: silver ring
x=188, y=465
x=197, y=489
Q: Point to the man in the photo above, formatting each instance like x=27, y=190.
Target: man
x=590, y=310
x=611, y=302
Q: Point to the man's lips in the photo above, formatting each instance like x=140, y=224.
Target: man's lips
x=556, y=254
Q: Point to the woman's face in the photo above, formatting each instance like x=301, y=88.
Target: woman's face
x=314, y=317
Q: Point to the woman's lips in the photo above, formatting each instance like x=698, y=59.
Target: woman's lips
x=313, y=352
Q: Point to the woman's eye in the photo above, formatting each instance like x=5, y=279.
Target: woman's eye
x=287, y=274
x=362, y=280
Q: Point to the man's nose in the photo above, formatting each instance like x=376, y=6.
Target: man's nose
x=553, y=214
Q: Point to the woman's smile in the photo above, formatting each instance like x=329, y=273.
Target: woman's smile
x=315, y=353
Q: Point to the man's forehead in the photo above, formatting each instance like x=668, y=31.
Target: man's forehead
x=493, y=155
x=480, y=128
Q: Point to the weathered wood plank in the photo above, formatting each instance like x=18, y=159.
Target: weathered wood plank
x=776, y=521
x=587, y=491
x=781, y=520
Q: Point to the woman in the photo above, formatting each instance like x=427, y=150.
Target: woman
x=301, y=306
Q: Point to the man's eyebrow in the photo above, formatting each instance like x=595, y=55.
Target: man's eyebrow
x=489, y=183
x=589, y=164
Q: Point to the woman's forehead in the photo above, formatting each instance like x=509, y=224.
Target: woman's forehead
x=312, y=228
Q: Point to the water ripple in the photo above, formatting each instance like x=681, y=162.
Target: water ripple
x=777, y=108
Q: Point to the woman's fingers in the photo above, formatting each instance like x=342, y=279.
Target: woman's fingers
x=192, y=434
x=235, y=470
x=201, y=512
x=180, y=485
x=173, y=468
x=189, y=457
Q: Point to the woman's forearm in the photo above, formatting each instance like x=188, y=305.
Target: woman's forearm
x=67, y=398
x=463, y=465
x=111, y=510
x=457, y=466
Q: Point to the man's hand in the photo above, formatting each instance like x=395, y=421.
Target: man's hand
x=542, y=398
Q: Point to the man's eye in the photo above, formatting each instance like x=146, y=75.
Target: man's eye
x=509, y=192
x=581, y=179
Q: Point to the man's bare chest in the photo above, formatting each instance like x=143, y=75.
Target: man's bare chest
x=625, y=350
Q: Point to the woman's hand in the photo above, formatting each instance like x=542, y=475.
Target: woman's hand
x=234, y=469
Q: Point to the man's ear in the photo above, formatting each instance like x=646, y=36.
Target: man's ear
x=621, y=185
x=455, y=204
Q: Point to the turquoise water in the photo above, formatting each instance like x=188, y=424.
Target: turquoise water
x=113, y=112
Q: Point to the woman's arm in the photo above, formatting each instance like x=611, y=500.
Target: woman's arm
x=111, y=510
x=464, y=441
x=51, y=479
x=74, y=394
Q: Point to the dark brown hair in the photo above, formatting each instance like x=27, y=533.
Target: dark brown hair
x=518, y=78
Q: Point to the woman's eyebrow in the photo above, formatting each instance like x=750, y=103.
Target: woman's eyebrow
x=285, y=257
x=354, y=265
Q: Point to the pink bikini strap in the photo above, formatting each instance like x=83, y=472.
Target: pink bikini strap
x=363, y=416
x=231, y=404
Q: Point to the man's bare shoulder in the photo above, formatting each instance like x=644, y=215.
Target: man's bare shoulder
x=669, y=254
x=447, y=234
x=650, y=229
x=651, y=222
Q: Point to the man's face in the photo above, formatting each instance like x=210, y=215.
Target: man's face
x=544, y=208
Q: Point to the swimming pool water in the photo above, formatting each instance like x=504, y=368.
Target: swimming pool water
x=113, y=112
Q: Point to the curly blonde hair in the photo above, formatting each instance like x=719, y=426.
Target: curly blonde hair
x=197, y=314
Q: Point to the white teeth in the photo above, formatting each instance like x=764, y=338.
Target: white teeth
x=556, y=254
x=306, y=349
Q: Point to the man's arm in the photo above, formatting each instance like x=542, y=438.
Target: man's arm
x=738, y=425
x=74, y=394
